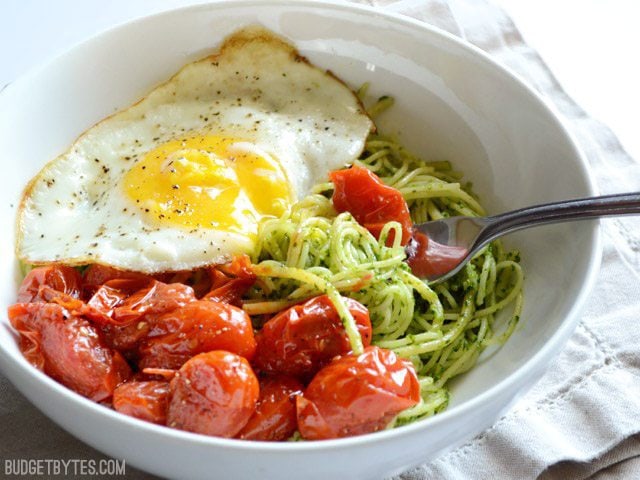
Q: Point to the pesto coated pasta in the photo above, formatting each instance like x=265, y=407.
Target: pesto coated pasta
x=441, y=329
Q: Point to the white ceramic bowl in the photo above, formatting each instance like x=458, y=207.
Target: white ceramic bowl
x=453, y=102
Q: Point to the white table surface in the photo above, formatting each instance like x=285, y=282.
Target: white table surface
x=591, y=45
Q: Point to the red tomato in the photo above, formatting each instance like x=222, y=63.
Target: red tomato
x=198, y=279
x=101, y=305
x=372, y=203
x=231, y=292
x=238, y=267
x=222, y=283
x=74, y=305
x=144, y=400
x=151, y=373
x=231, y=281
x=275, y=415
x=97, y=275
x=214, y=393
x=132, y=319
x=113, y=293
x=354, y=395
x=157, y=298
x=195, y=328
x=426, y=257
x=300, y=340
x=70, y=349
x=60, y=278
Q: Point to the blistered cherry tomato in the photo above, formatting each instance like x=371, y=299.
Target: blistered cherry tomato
x=134, y=317
x=73, y=305
x=300, y=340
x=225, y=283
x=231, y=291
x=275, y=415
x=113, y=294
x=238, y=267
x=198, y=279
x=97, y=275
x=195, y=328
x=144, y=400
x=360, y=192
x=60, y=278
x=71, y=349
x=157, y=298
x=214, y=393
x=135, y=312
x=100, y=307
x=229, y=282
x=354, y=395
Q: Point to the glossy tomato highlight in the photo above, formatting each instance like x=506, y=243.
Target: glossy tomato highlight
x=148, y=400
x=359, y=394
x=373, y=204
x=194, y=328
x=68, y=349
x=300, y=340
x=60, y=278
x=214, y=393
x=275, y=415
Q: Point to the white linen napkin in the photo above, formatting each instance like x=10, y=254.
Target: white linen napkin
x=583, y=417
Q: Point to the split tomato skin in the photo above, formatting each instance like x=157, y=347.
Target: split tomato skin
x=146, y=400
x=194, y=328
x=231, y=291
x=97, y=275
x=214, y=393
x=134, y=316
x=58, y=277
x=69, y=349
x=157, y=298
x=275, y=415
x=300, y=340
x=357, y=394
x=113, y=294
x=229, y=282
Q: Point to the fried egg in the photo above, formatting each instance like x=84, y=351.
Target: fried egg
x=182, y=178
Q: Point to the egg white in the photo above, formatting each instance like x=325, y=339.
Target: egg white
x=257, y=89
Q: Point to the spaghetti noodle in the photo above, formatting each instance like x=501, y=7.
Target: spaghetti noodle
x=442, y=329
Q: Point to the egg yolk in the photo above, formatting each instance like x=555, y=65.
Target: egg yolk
x=209, y=181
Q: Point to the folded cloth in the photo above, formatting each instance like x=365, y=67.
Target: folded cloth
x=581, y=418
x=622, y=461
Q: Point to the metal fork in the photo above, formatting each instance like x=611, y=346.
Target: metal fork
x=469, y=234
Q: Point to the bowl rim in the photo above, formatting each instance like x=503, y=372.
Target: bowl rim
x=533, y=366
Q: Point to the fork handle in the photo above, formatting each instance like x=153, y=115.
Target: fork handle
x=567, y=210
